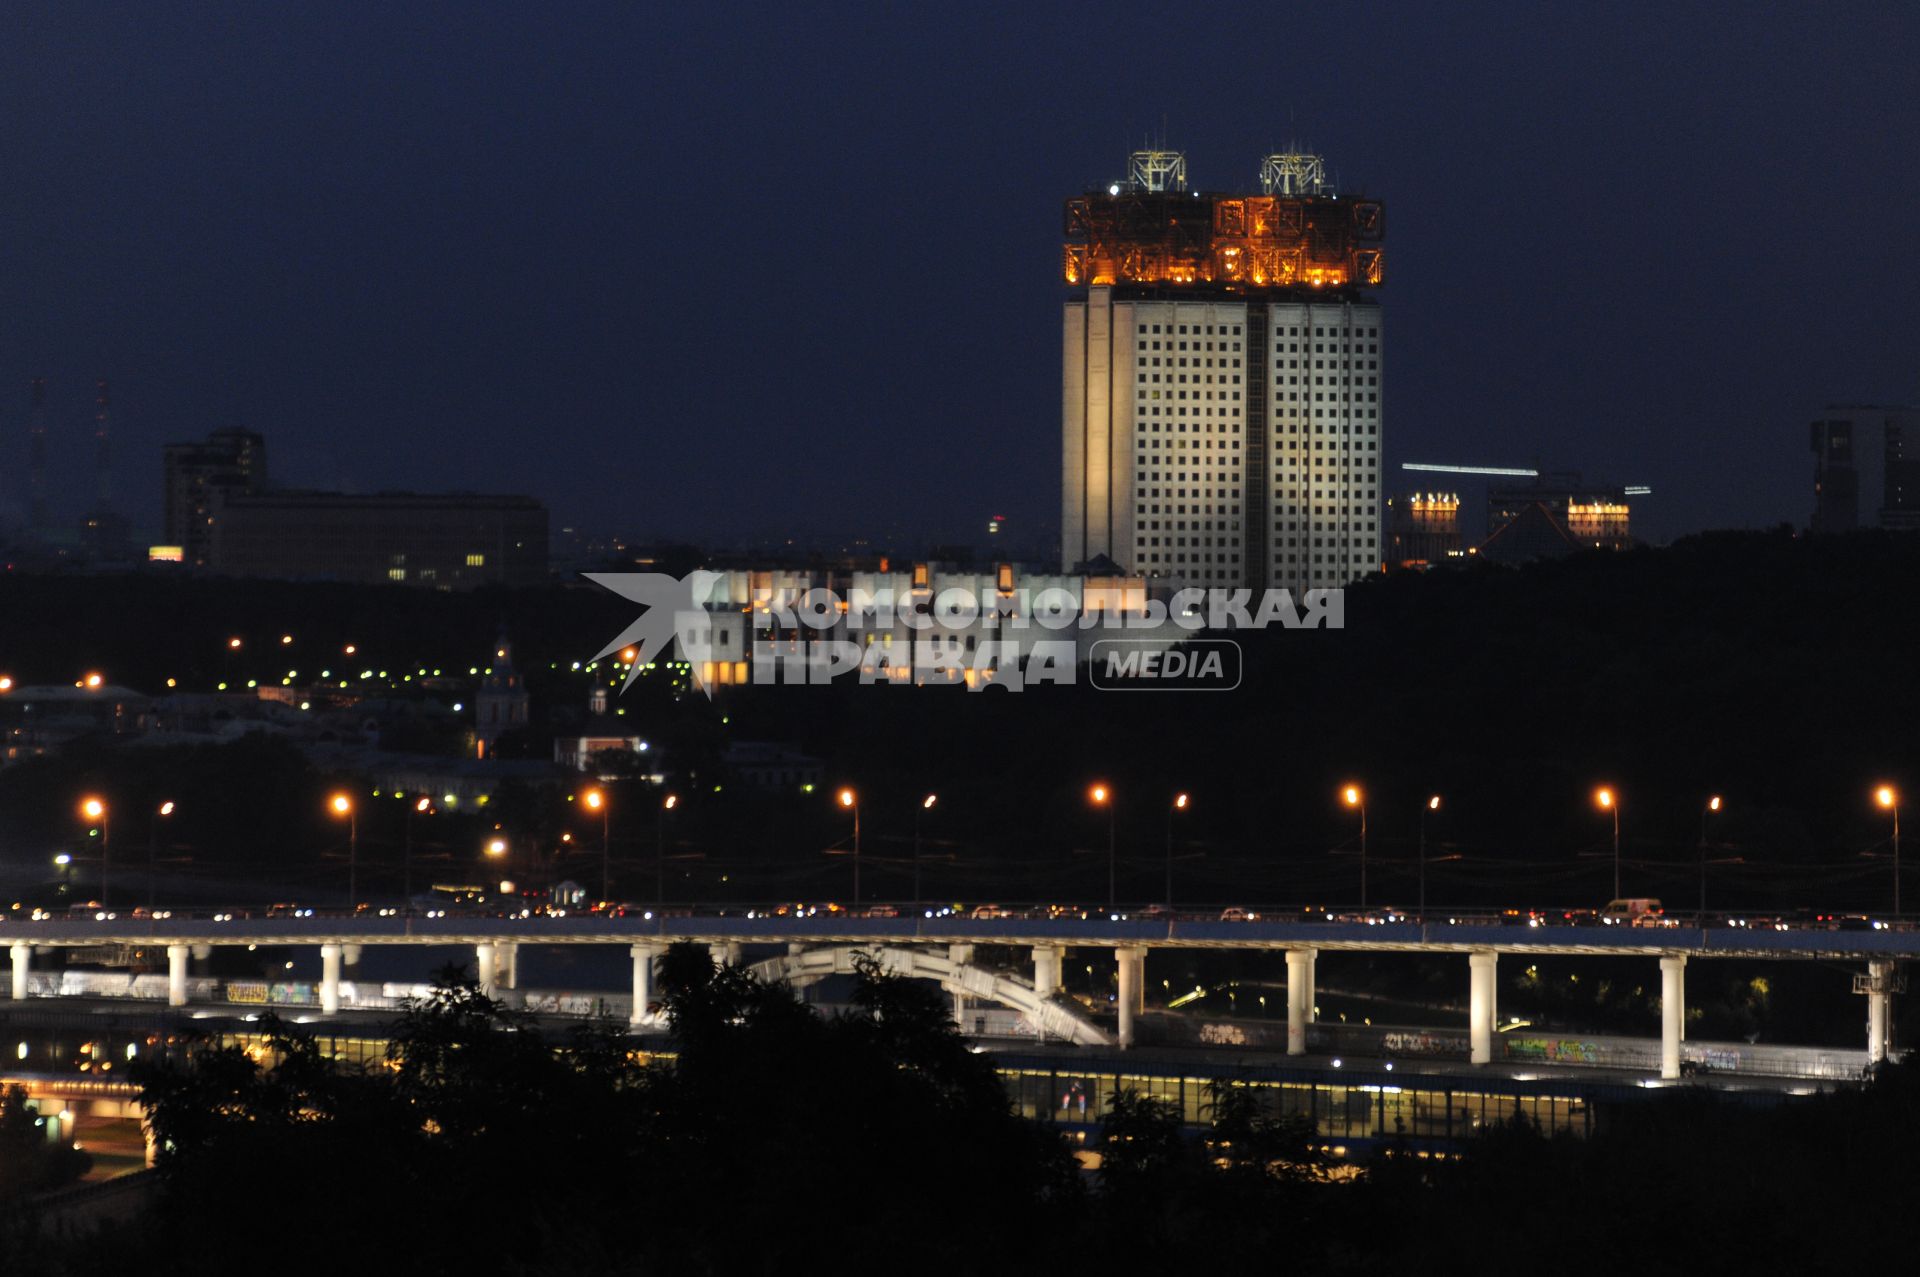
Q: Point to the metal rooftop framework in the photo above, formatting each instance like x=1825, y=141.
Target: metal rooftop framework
x=1295, y=236
x=1294, y=173
x=1157, y=171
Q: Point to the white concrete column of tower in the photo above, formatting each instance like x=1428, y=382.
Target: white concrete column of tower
x=1299, y=997
x=486, y=969
x=21, y=956
x=1879, y=1010
x=329, y=979
x=1046, y=970
x=1132, y=970
x=1480, y=976
x=641, y=1012
x=1673, y=1013
x=177, y=975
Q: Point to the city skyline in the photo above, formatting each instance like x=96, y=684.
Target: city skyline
x=359, y=243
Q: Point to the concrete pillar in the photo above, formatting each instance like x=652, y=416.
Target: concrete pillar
x=960, y=955
x=960, y=1011
x=22, y=958
x=177, y=975
x=350, y=954
x=643, y=956
x=1480, y=1007
x=1879, y=1010
x=329, y=979
x=507, y=962
x=1299, y=962
x=1046, y=970
x=1129, y=982
x=202, y=952
x=1673, y=1013
x=1313, y=985
x=486, y=967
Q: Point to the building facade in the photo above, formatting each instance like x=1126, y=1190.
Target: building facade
x=1221, y=374
x=1866, y=468
x=442, y=541
x=227, y=461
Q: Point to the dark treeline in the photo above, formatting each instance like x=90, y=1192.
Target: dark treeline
x=773, y=1140
x=1769, y=668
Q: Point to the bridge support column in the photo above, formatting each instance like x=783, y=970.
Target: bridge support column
x=329, y=979
x=507, y=963
x=22, y=958
x=1046, y=971
x=202, y=952
x=1673, y=1013
x=350, y=954
x=643, y=956
x=1313, y=985
x=960, y=955
x=1480, y=1006
x=1299, y=998
x=1879, y=1010
x=177, y=975
x=486, y=965
x=726, y=953
x=1132, y=962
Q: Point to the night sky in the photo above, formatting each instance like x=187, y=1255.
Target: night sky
x=719, y=272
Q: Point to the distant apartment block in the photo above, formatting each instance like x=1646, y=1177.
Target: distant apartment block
x=450, y=541
x=1866, y=468
x=226, y=462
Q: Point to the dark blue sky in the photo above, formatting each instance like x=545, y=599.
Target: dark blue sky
x=713, y=271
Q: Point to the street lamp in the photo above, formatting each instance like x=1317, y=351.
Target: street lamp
x=1101, y=796
x=1889, y=798
x=597, y=801
x=153, y=848
x=926, y=804
x=1432, y=805
x=851, y=801
x=342, y=806
x=94, y=812
x=421, y=806
x=1608, y=801
x=1354, y=796
x=1711, y=810
x=667, y=804
x=1180, y=803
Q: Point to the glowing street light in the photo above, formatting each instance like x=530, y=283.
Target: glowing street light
x=1355, y=797
x=94, y=811
x=1100, y=796
x=1179, y=804
x=421, y=806
x=667, y=804
x=496, y=847
x=851, y=801
x=1608, y=801
x=1432, y=805
x=926, y=805
x=342, y=807
x=596, y=800
x=160, y=813
x=1711, y=810
x=1888, y=798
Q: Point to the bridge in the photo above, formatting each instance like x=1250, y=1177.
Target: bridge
x=941, y=948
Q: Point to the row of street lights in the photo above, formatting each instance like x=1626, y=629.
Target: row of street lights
x=94, y=811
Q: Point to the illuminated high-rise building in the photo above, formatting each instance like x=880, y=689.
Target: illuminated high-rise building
x=1221, y=416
